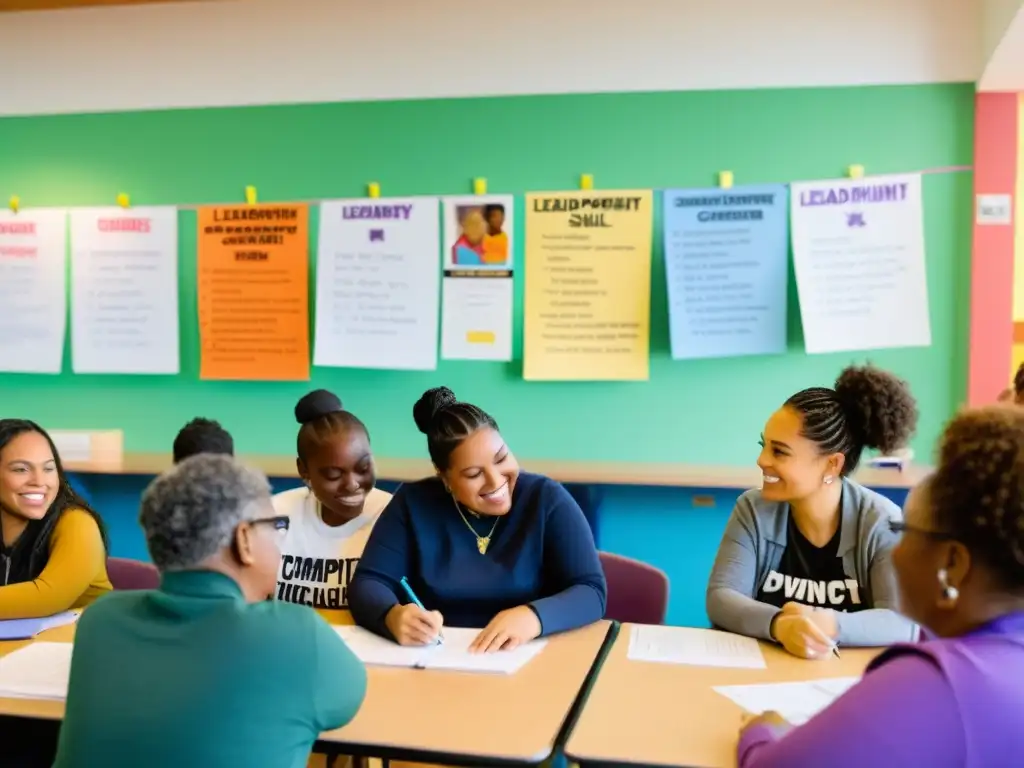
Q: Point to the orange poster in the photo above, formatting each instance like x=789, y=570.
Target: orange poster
x=253, y=283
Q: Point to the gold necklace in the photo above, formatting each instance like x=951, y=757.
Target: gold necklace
x=482, y=542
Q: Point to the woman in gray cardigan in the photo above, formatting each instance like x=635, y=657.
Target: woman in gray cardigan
x=805, y=560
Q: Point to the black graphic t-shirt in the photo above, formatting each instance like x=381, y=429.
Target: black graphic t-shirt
x=811, y=575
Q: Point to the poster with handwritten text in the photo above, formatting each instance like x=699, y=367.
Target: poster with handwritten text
x=726, y=264
x=253, y=287
x=587, y=313
x=858, y=250
x=124, y=290
x=33, y=295
x=378, y=283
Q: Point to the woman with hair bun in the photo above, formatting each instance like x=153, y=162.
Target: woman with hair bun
x=332, y=515
x=805, y=559
x=955, y=699
x=482, y=544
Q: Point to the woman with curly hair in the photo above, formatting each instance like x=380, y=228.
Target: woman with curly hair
x=805, y=559
x=955, y=699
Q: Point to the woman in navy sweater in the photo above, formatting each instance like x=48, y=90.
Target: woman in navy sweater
x=482, y=544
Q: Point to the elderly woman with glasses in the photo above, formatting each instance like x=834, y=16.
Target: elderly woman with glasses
x=206, y=670
x=955, y=699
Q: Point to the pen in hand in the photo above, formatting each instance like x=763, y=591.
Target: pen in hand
x=404, y=583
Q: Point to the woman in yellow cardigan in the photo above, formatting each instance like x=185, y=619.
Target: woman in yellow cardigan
x=54, y=549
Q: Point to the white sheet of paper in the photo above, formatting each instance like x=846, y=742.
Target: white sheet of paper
x=37, y=671
x=124, y=276
x=858, y=252
x=695, y=647
x=476, y=296
x=377, y=284
x=453, y=654
x=796, y=702
x=33, y=296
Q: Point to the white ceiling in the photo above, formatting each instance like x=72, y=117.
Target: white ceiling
x=1003, y=28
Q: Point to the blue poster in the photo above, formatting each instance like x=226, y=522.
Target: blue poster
x=726, y=259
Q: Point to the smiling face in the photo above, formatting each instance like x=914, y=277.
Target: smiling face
x=340, y=472
x=482, y=473
x=28, y=476
x=793, y=467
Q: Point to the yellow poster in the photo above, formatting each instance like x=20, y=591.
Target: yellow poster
x=588, y=286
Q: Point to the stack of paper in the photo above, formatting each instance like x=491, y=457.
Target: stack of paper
x=452, y=654
x=796, y=702
x=37, y=671
x=696, y=647
x=25, y=629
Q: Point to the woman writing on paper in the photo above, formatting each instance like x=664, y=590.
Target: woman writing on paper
x=482, y=544
x=54, y=549
x=805, y=559
x=955, y=699
x=335, y=510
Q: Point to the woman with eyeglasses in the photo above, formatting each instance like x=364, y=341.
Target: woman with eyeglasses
x=206, y=670
x=804, y=560
x=955, y=699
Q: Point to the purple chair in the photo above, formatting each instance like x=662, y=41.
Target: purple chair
x=132, y=574
x=637, y=592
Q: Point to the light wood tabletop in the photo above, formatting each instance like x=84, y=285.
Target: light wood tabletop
x=39, y=709
x=448, y=717
x=583, y=472
x=434, y=714
x=645, y=713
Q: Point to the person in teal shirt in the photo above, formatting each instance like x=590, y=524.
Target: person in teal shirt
x=206, y=671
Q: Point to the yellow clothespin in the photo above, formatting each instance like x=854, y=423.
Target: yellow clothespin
x=123, y=200
x=14, y=203
x=373, y=189
x=725, y=179
x=587, y=181
x=479, y=186
x=250, y=195
x=855, y=171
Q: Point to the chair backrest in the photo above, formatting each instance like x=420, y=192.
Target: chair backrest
x=637, y=592
x=132, y=574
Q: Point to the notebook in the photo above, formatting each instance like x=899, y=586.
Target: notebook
x=453, y=654
x=25, y=629
x=37, y=671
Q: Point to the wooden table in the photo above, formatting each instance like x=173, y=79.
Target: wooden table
x=437, y=716
x=643, y=713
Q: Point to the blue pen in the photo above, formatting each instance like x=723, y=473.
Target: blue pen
x=416, y=601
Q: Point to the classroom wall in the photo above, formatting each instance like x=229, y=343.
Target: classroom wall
x=263, y=52
x=268, y=52
x=1002, y=45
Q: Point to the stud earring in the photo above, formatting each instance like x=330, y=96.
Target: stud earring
x=828, y=479
x=949, y=592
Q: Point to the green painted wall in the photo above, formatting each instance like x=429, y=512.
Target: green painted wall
x=703, y=411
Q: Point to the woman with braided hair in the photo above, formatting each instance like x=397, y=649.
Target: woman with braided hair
x=53, y=554
x=805, y=559
x=955, y=699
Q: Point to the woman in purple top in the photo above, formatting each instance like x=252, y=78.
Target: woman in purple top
x=957, y=699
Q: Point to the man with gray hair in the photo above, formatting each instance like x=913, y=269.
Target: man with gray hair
x=206, y=670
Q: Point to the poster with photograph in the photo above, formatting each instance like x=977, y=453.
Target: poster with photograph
x=476, y=302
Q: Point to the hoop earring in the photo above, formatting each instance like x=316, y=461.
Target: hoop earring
x=949, y=593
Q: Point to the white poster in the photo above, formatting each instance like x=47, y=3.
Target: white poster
x=124, y=299
x=33, y=292
x=476, y=307
x=858, y=250
x=377, y=284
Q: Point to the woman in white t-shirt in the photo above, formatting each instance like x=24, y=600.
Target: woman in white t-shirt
x=331, y=517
